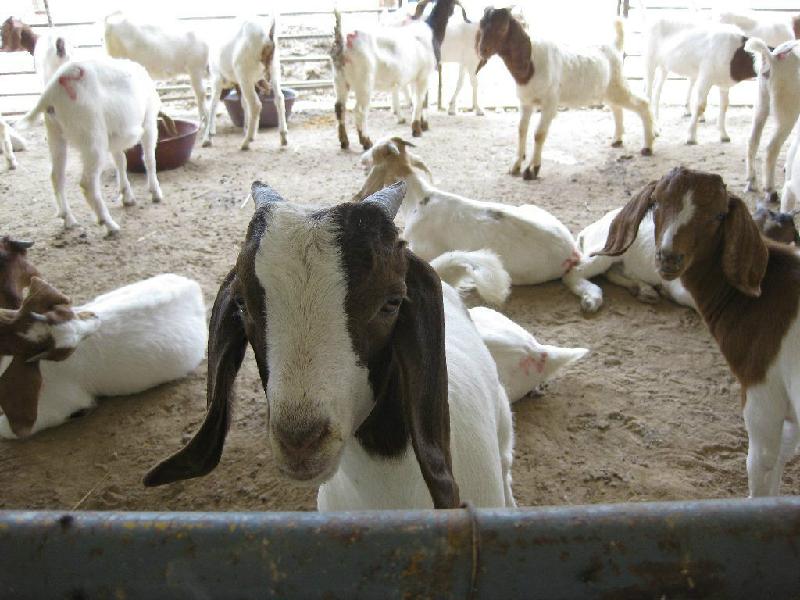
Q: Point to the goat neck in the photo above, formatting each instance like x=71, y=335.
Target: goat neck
x=516, y=50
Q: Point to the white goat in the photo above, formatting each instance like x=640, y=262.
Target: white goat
x=10, y=141
x=145, y=334
x=773, y=30
x=532, y=244
x=778, y=90
x=243, y=58
x=49, y=50
x=550, y=75
x=748, y=292
x=635, y=269
x=523, y=364
x=379, y=387
x=791, y=187
x=99, y=106
x=708, y=54
x=165, y=50
x=386, y=59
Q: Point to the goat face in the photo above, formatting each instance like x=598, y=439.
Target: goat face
x=777, y=226
x=494, y=27
x=15, y=271
x=347, y=327
x=16, y=36
x=696, y=220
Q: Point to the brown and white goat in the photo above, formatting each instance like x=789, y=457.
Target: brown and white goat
x=15, y=271
x=380, y=389
x=551, y=75
x=746, y=288
x=49, y=50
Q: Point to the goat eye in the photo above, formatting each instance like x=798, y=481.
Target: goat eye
x=392, y=306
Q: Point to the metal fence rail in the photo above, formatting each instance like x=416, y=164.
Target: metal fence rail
x=708, y=549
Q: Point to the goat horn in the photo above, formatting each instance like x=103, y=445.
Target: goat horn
x=263, y=194
x=389, y=198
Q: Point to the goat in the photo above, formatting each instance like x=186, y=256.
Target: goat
x=143, y=335
x=523, y=364
x=247, y=55
x=778, y=88
x=533, y=245
x=708, y=54
x=164, y=50
x=99, y=106
x=49, y=50
x=748, y=291
x=379, y=387
x=774, y=31
x=15, y=271
x=386, y=59
x=635, y=269
x=550, y=75
x=479, y=270
x=10, y=141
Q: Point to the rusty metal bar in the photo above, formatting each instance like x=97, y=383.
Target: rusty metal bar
x=706, y=549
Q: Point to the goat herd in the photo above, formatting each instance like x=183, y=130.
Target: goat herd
x=383, y=389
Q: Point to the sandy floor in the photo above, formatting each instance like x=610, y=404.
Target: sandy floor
x=651, y=414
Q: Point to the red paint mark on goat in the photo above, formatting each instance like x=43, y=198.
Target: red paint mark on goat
x=571, y=262
x=350, y=38
x=65, y=81
x=530, y=362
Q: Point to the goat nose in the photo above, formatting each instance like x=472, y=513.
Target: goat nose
x=302, y=439
x=670, y=259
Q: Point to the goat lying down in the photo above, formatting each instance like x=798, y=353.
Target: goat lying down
x=635, y=269
x=379, y=387
x=748, y=291
x=142, y=335
x=533, y=245
x=10, y=142
x=523, y=364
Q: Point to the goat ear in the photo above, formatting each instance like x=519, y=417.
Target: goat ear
x=625, y=226
x=744, y=254
x=227, y=342
x=272, y=29
x=264, y=195
x=44, y=298
x=419, y=351
x=19, y=394
x=20, y=246
x=389, y=198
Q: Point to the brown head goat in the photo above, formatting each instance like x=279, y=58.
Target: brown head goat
x=15, y=271
x=746, y=288
x=370, y=396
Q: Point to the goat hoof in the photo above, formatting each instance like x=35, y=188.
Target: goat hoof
x=128, y=201
x=647, y=152
x=451, y=111
x=416, y=129
x=344, y=144
x=751, y=186
x=366, y=143
x=479, y=113
x=725, y=139
x=591, y=304
x=616, y=144
x=425, y=126
x=771, y=197
x=206, y=143
x=691, y=142
x=284, y=139
x=528, y=175
x=112, y=234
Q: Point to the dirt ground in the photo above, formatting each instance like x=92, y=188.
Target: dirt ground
x=651, y=414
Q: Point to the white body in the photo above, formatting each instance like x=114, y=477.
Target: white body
x=150, y=332
x=481, y=270
x=384, y=59
x=774, y=31
x=99, y=106
x=165, y=50
x=458, y=47
x=635, y=269
x=791, y=188
x=778, y=91
x=45, y=55
x=533, y=245
x=237, y=60
x=10, y=141
x=523, y=364
x=771, y=417
x=700, y=52
x=575, y=78
x=481, y=436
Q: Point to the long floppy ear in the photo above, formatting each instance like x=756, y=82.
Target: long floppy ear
x=744, y=254
x=418, y=348
x=625, y=226
x=227, y=343
x=19, y=394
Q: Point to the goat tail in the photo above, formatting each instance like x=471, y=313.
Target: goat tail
x=337, y=49
x=756, y=45
x=619, y=34
x=31, y=118
x=463, y=11
x=480, y=270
